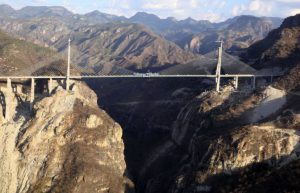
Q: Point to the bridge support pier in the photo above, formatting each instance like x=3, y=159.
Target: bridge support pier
x=50, y=85
x=218, y=81
x=8, y=100
x=9, y=87
x=236, y=82
x=68, y=69
x=253, y=82
x=32, y=92
x=271, y=79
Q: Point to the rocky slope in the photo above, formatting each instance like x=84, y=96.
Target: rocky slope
x=67, y=145
x=99, y=45
x=18, y=55
x=279, y=48
x=195, y=141
x=227, y=154
x=231, y=142
x=178, y=140
x=199, y=36
x=133, y=46
x=237, y=33
x=129, y=46
x=170, y=28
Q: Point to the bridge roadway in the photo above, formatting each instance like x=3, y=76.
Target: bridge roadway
x=139, y=76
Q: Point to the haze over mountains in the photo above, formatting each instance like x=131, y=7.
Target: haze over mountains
x=142, y=42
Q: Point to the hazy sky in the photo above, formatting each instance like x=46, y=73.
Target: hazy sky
x=213, y=10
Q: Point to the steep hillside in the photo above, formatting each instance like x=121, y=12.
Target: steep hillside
x=98, y=46
x=129, y=45
x=237, y=33
x=245, y=142
x=125, y=45
x=18, y=56
x=170, y=26
x=207, y=65
x=199, y=36
x=67, y=145
x=195, y=141
x=280, y=48
x=51, y=27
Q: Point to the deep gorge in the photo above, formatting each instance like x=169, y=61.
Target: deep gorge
x=148, y=119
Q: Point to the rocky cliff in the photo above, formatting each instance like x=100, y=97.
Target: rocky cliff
x=237, y=33
x=230, y=142
x=180, y=138
x=279, y=48
x=67, y=145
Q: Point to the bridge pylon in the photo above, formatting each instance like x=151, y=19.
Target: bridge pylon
x=68, y=68
x=219, y=67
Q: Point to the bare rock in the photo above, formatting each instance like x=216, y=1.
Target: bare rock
x=54, y=151
x=93, y=121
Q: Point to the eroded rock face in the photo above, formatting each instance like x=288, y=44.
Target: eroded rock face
x=227, y=154
x=69, y=145
x=214, y=146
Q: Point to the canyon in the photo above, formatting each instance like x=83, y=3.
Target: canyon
x=148, y=135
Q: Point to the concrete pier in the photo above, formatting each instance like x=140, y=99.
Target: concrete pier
x=32, y=93
x=8, y=100
x=50, y=86
x=254, y=82
x=68, y=69
x=236, y=82
x=9, y=87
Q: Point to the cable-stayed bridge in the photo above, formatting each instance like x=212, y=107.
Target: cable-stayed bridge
x=59, y=69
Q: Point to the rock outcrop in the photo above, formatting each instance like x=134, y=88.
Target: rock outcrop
x=280, y=48
x=68, y=145
x=237, y=33
x=223, y=151
x=100, y=46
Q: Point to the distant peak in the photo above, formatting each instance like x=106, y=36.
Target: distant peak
x=172, y=19
x=142, y=13
x=5, y=6
x=96, y=12
x=145, y=14
x=190, y=19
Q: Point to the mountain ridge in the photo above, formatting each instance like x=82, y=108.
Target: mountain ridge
x=279, y=48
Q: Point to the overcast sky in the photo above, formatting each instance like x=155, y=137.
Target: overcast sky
x=213, y=10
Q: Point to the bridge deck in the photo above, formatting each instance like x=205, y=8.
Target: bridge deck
x=138, y=76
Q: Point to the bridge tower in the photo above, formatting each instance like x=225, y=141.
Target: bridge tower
x=219, y=66
x=9, y=98
x=68, y=69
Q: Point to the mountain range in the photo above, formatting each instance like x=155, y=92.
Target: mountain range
x=178, y=135
x=140, y=43
x=280, y=48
